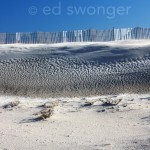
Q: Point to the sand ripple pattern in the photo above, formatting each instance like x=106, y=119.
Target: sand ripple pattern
x=80, y=71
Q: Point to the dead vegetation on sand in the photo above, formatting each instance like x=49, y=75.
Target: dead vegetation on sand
x=110, y=102
x=47, y=112
x=11, y=104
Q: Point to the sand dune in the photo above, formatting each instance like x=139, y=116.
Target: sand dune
x=75, y=69
x=97, y=96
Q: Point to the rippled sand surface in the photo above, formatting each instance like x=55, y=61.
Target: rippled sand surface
x=77, y=69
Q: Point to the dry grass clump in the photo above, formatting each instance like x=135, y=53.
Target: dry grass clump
x=11, y=104
x=110, y=102
x=47, y=112
x=50, y=105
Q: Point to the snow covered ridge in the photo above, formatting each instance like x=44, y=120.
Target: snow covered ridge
x=75, y=69
x=90, y=35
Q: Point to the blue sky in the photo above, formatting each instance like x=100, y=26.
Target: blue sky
x=58, y=15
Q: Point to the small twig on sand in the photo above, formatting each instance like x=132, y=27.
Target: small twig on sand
x=110, y=102
x=11, y=104
x=88, y=104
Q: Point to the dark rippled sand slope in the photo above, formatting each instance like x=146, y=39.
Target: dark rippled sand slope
x=74, y=70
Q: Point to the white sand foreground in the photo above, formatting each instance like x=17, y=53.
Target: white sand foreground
x=77, y=124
